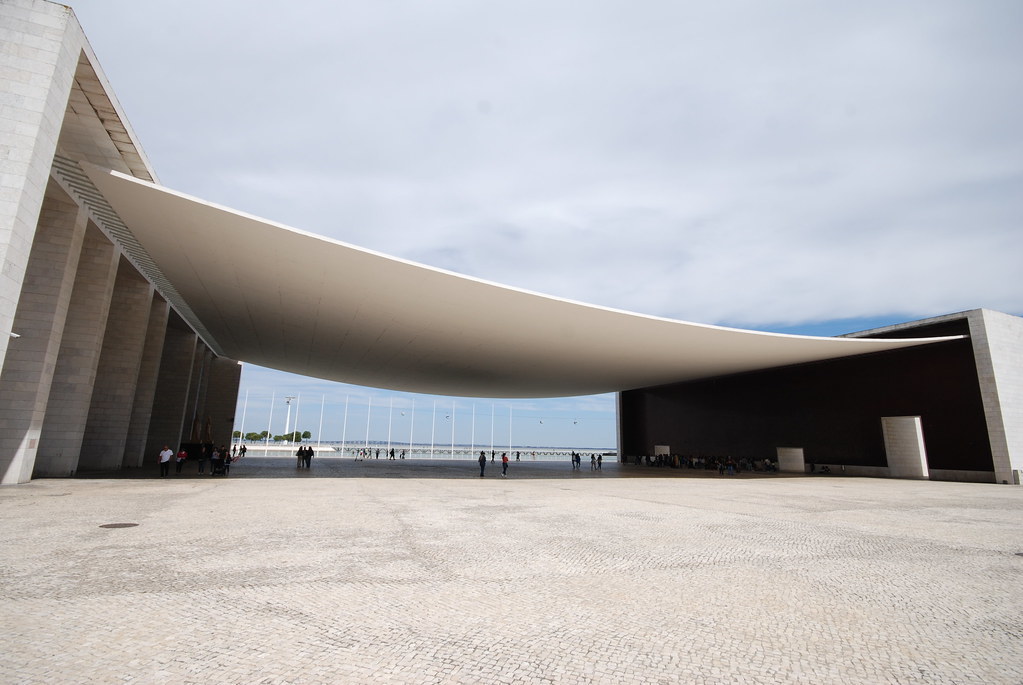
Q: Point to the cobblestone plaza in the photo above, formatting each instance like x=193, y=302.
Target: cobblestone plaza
x=421, y=572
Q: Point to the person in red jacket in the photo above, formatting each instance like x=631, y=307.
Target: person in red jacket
x=180, y=460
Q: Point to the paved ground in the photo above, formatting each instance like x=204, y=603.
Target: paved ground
x=421, y=572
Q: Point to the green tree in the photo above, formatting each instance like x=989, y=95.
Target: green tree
x=306, y=435
x=236, y=434
x=255, y=437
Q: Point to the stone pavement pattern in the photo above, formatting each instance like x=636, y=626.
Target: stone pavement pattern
x=559, y=579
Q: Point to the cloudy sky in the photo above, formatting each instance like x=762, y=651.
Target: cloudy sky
x=788, y=166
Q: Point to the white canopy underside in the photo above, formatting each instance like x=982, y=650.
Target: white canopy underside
x=281, y=298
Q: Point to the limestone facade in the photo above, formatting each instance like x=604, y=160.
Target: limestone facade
x=84, y=319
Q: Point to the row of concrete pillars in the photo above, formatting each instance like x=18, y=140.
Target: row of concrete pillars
x=103, y=372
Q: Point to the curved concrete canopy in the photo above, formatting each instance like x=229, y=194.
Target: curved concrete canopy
x=294, y=301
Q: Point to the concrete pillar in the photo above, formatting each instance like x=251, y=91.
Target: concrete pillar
x=196, y=428
x=904, y=445
x=998, y=350
x=106, y=430
x=145, y=386
x=38, y=62
x=618, y=427
x=42, y=310
x=222, y=398
x=172, y=388
x=67, y=409
x=790, y=460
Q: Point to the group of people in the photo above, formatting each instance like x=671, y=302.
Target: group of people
x=305, y=456
x=364, y=452
x=220, y=458
x=723, y=465
x=596, y=462
x=504, y=463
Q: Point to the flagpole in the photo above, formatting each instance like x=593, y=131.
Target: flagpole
x=452, y=429
x=390, y=416
x=433, y=428
x=344, y=428
x=270, y=421
x=369, y=412
x=245, y=408
x=319, y=431
x=412, y=425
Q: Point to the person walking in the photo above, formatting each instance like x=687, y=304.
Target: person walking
x=483, y=463
x=165, y=457
x=600, y=461
x=202, y=459
x=504, y=464
x=180, y=459
x=214, y=459
x=309, y=456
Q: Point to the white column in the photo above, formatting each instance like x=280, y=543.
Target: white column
x=145, y=386
x=106, y=431
x=998, y=350
x=40, y=320
x=790, y=460
x=170, y=400
x=74, y=377
x=904, y=446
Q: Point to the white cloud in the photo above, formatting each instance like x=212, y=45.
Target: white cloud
x=745, y=163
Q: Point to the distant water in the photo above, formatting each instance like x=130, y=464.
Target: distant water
x=334, y=449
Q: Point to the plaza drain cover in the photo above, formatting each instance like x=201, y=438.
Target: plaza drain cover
x=118, y=525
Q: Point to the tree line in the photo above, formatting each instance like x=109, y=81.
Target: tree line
x=297, y=436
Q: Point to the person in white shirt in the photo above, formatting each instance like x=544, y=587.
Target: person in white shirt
x=165, y=457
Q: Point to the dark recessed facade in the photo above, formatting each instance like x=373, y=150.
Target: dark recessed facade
x=833, y=409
